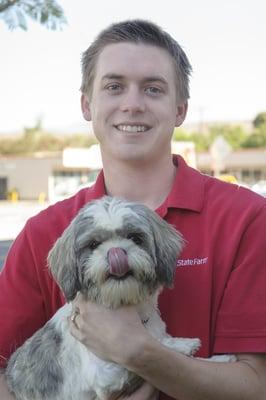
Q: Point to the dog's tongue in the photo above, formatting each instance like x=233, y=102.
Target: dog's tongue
x=117, y=261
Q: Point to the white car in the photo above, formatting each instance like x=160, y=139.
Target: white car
x=260, y=187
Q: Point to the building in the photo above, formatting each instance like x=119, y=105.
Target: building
x=51, y=176
x=248, y=166
x=54, y=176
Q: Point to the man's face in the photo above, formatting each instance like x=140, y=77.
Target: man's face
x=134, y=106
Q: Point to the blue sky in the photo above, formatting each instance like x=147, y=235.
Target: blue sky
x=224, y=40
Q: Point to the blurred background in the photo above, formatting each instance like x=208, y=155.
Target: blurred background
x=47, y=151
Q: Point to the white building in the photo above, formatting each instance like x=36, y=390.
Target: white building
x=53, y=176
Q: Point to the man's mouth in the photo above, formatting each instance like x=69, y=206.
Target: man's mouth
x=132, y=128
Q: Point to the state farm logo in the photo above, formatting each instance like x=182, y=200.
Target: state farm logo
x=190, y=262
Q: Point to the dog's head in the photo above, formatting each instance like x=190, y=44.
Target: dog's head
x=115, y=252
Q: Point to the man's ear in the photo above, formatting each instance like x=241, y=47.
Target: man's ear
x=85, y=107
x=181, y=113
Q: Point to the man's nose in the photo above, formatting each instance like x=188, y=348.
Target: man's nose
x=133, y=101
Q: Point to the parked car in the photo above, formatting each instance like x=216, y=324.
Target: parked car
x=227, y=178
x=260, y=187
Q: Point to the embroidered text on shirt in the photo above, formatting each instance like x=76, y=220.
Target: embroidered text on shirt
x=191, y=261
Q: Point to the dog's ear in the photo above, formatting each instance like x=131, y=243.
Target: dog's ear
x=62, y=261
x=168, y=244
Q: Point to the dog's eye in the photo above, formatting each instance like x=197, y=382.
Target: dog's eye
x=136, y=238
x=93, y=244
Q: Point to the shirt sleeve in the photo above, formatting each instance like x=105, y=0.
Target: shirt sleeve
x=21, y=300
x=241, y=321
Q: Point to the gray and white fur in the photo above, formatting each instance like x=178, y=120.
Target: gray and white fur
x=116, y=253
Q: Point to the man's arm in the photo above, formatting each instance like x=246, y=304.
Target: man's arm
x=119, y=336
x=186, y=378
x=145, y=392
x=4, y=392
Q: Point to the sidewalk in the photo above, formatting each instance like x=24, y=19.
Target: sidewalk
x=13, y=216
x=4, y=246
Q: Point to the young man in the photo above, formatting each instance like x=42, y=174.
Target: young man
x=135, y=91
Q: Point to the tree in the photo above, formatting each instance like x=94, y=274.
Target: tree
x=257, y=138
x=47, y=12
x=235, y=135
x=259, y=120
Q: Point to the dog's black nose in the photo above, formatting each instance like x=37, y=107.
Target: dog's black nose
x=117, y=261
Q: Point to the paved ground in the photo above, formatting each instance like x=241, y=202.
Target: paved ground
x=4, y=246
x=12, y=219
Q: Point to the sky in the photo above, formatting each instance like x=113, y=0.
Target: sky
x=224, y=40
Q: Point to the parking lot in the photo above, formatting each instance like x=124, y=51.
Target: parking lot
x=4, y=246
x=12, y=219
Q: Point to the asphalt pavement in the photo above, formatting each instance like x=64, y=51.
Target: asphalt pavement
x=4, y=246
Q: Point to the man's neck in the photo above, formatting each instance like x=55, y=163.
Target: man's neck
x=146, y=183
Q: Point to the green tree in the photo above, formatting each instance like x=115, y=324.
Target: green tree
x=234, y=135
x=180, y=135
x=79, y=140
x=201, y=141
x=36, y=139
x=47, y=12
x=257, y=138
x=259, y=120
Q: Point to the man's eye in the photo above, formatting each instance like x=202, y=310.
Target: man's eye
x=153, y=90
x=114, y=87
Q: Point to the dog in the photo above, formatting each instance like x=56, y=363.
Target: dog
x=115, y=253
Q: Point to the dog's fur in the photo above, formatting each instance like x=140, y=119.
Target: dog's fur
x=52, y=364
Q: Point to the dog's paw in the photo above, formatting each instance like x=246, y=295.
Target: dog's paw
x=185, y=346
x=221, y=358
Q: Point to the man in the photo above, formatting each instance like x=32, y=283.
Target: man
x=135, y=91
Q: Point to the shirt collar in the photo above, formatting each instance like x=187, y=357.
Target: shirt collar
x=187, y=191
x=98, y=189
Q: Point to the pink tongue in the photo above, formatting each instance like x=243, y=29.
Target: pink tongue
x=117, y=261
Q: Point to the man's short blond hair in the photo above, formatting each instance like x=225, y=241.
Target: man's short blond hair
x=136, y=31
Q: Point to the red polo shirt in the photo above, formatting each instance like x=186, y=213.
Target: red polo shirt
x=219, y=293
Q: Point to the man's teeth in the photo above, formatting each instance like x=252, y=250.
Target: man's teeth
x=132, y=128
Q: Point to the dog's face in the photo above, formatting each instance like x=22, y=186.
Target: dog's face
x=115, y=252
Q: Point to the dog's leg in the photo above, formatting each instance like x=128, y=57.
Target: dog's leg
x=190, y=346
x=38, y=357
x=185, y=346
x=221, y=358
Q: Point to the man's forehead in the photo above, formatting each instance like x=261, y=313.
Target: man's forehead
x=119, y=59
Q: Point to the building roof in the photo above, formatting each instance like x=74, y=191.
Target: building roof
x=248, y=158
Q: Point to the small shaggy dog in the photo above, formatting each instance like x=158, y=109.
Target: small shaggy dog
x=116, y=253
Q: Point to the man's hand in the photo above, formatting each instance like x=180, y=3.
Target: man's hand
x=113, y=335
x=145, y=392
x=4, y=392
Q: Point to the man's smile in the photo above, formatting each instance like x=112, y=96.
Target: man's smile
x=132, y=128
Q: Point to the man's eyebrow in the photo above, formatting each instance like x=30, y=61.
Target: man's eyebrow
x=156, y=79
x=112, y=77
x=160, y=79
x=148, y=79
